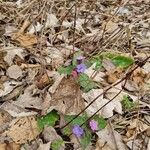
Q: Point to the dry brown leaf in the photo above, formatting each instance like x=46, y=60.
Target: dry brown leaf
x=110, y=26
x=44, y=146
x=136, y=127
x=12, y=146
x=114, y=75
x=50, y=135
x=2, y=146
x=25, y=39
x=14, y=72
x=139, y=77
x=23, y=129
x=4, y=117
x=106, y=111
x=110, y=140
x=16, y=111
x=43, y=81
x=67, y=98
x=28, y=98
x=12, y=51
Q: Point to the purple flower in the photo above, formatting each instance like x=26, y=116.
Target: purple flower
x=81, y=68
x=77, y=130
x=93, y=125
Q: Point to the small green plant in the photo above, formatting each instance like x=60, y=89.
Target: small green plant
x=57, y=144
x=127, y=104
x=84, y=132
x=119, y=60
x=49, y=119
x=86, y=83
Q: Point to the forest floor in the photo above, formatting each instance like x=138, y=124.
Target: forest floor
x=74, y=75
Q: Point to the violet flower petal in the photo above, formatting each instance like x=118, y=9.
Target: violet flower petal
x=81, y=68
x=93, y=125
x=77, y=130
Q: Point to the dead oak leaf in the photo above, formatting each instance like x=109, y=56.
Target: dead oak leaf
x=26, y=40
x=114, y=75
x=23, y=129
x=139, y=77
x=67, y=98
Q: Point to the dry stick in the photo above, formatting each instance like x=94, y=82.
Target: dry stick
x=62, y=19
x=140, y=64
x=102, y=106
x=74, y=25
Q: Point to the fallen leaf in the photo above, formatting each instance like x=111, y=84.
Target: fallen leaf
x=106, y=111
x=43, y=81
x=110, y=26
x=67, y=98
x=29, y=99
x=35, y=28
x=44, y=146
x=8, y=87
x=51, y=20
x=25, y=39
x=13, y=146
x=2, y=146
x=22, y=130
x=114, y=75
x=110, y=140
x=11, y=52
x=14, y=72
x=16, y=111
x=96, y=76
x=50, y=135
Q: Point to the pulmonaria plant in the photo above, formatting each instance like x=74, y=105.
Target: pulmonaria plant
x=93, y=125
x=77, y=131
x=81, y=68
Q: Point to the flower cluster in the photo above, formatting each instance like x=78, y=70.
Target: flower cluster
x=78, y=131
x=80, y=68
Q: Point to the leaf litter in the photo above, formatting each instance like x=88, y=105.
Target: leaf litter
x=74, y=75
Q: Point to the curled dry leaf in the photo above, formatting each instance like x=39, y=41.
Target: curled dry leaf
x=136, y=127
x=16, y=111
x=23, y=129
x=114, y=75
x=139, y=76
x=8, y=87
x=25, y=39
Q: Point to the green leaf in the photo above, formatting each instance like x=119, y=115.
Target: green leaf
x=98, y=62
x=119, y=59
x=78, y=121
x=101, y=121
x=86, y=139
x=122, y=61
x=49, y=119
x=127, y=104
x=56, y=145
x=86, y=83
x=66, y=70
